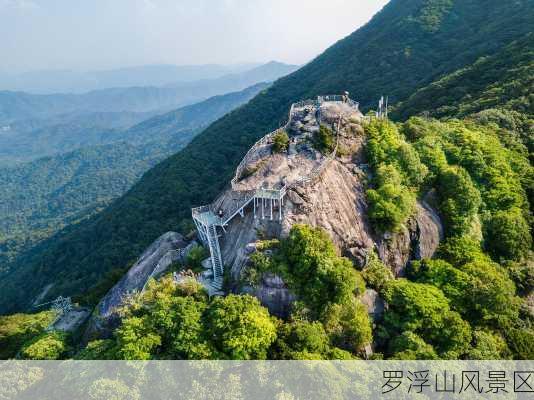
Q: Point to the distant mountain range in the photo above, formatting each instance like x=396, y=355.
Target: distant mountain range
x=40, y=197
x=69, y=81
x=20, y=105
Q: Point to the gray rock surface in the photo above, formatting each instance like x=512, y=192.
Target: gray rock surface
x=166, y=250
x=374, y=303
x=419, y=239
x=335, y=202
x=273, y=293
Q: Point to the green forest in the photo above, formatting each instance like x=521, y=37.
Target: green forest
x=460, y=79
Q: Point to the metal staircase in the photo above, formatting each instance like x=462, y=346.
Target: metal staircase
x=216, y=258
x=208, y=218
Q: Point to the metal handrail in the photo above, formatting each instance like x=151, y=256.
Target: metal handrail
x=279, y=193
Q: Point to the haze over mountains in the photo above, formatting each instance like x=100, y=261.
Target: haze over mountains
x=20, y=105
x=69, y=81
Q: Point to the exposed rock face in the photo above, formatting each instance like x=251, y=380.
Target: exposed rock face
x=166, y=250
x=374, y=303
x=335, y=201
x=72, y=320
x=419, y=239
x=273, y=294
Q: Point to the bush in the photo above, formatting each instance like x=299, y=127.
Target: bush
x=390, y=203
x=281, y=142
x=195, y=257
x=324, y=140
x=507, y=235
x=48, y=346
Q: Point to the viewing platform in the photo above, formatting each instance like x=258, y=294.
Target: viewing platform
x=264, y=176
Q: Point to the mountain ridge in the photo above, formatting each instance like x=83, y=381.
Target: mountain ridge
x=404, y=47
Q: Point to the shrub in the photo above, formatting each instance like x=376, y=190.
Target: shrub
x=324, y=140
x=390, y=203
x=195, y=257
x=507, y=235
x=281, y=142
x=48, y=346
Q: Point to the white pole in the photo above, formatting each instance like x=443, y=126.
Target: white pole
x=262, y=208
x=254, y=202
x=271, y=209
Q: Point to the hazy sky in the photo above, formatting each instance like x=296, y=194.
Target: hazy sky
x=99, y=34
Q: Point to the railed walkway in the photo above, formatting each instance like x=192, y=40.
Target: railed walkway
x=208, y=218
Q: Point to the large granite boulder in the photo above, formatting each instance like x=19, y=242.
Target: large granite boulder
x=169, y=248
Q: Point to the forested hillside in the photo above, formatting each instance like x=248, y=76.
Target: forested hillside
x=496, y=88
x=406, y=47
x=43, y=196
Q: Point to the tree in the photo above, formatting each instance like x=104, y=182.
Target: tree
x=376, y=274
x=479, y=290
x=409, y=346
x=103, y=349
x=187, y=334
x=390, y=203
x=521, y=341
x=348, y=325
x=136, y=338
x=453, y=282
x=319, y=276
x=507, y=235
x=17, y=329
x=424, y=310
x=459, y=199
x=324, y=140
x=240, y=327
x=48, y=346
x=302, y=340
x=195, y=257
x=280, y=142
x=488, y=345
x=492, y=294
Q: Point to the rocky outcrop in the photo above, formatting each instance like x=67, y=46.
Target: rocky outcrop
x=374, y=303
x=273, y=293
x=335, y=201
x=419, y=239
x=169, y=248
